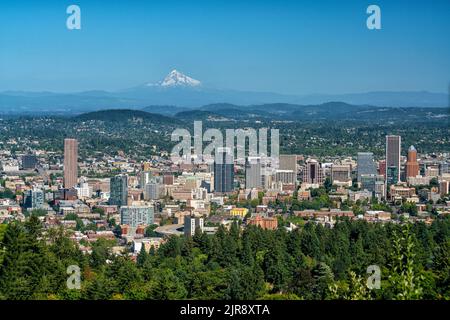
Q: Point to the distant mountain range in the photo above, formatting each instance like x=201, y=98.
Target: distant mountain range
x=184, y=93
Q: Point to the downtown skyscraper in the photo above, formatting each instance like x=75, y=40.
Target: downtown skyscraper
x=253, y=173
x=365, y=164
x=393, y=153
x=34, y=199
x=118, y=194
x=70, y=163
x=412, y=166
x=223, y=171
x=313, y=173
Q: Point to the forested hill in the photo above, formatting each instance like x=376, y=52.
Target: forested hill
x=311, y=262
x=120, y=115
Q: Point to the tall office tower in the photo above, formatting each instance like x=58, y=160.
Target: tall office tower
x=137, y=215
x=393, y=151
x=70, y=163
x=144, y=178
x=368, y=181
x=365, y=164
x=29, y=161
x=34, y=199
x=313, y=173
x=289, y=162
x=253, y=173
x=119, y=190
x=224, y=171
x=412, y=166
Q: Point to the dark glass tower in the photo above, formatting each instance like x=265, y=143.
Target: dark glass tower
x=119, y=190
x=223, y=171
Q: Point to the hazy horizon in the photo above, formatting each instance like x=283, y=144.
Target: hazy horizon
x=118, y=90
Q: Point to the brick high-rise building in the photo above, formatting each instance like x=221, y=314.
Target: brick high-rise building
x=70, y=163
x=412, y=166
x=393, y=153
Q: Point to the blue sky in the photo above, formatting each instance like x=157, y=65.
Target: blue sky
x=297, y=47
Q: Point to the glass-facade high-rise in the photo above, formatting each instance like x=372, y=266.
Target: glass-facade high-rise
x=137, y=215
x=118, y=190
x=373, y=183
x=34, y=199
x=224, y=171
x=365, y=164
x=253, y=173
x=391, y=175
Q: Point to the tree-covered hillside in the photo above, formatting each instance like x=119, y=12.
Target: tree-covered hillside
x=312, y=262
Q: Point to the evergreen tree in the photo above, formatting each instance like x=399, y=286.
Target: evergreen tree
x=142, y=257
x=404, y=278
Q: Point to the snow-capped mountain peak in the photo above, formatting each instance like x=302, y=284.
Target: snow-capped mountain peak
x=177, y=79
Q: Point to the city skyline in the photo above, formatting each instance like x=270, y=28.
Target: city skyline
x=140, y=214
x=227, y=153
